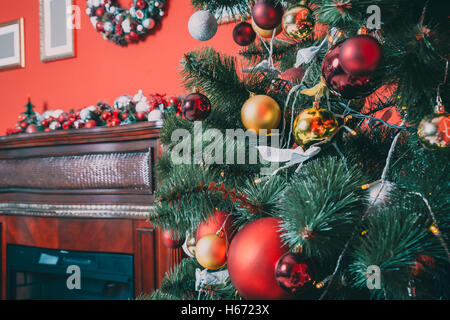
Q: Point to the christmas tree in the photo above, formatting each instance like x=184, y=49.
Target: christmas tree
x=340, y=203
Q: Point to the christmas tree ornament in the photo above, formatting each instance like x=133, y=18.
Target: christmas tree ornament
x=294, y=75
x=78, y=124
x=155, y=115
x=267, y=14
x=202, y=25
x=219, y=221
x=54, y=125
x=32, y=128
x=341, y=83
x=190, y=245
x=243, y=34
x=252, y=257
x=260, y=112
x=360, y=55
x=90, y=124
x=106, y=115
x=170, y=241
x=211, y=251
x=266, y=34
x=66, y=125
x=294, y=273
x=298, y=22
x=141, y=116
x=313, y=125
x=196, y=106
x=421, y=264
x=434, y=131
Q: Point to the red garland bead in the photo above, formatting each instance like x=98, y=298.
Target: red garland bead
x=243, y=34
x=196, y=107
x=360, y=55
x=267, y=15
x=141, y=4
x=106, y=115
x=24, y=124
x=252, y=258
x=141, y=116
x=45, y=123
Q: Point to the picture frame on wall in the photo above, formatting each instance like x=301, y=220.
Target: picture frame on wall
x=56, y=29
x=12, y=46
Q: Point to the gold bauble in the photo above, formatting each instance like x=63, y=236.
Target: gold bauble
x=211, y=251
x=314, y=125
x=190, y=244
x=266, y=33
x=260, y=112
x=298, y=22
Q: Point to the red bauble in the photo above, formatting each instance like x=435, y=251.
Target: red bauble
x=341, y=83
x=62, y=118
x=196, y=107
x=267, y=15
x=66, y=125
x=141, y=4
x=173, y=101
x=100, y=12
x=294, y=75
x=45, y=123
x=32, y=128
x=243, y=34
x=99, y=26
x=106, y=115
x=141, y=116
x=252, y=257
x=23, y=124
x=294, y=273
x=214, y=223
x=360, y=55
x=90, y=124
x=170, y=242
x=133, y=36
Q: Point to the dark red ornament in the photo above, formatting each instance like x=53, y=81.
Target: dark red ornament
x=243, y=34
x=360, y=55
x=173, y=101
x=23, y=125
x=341, y=83
x=196, y=107
x=99, y=26
x=214, y=223
x=66, y=125
x=267, y=15
x=62, y=118
x=45, y=123
x=293, y=273
x=78, y=124
x=133, y=36
x=294, y=75
x=170, y=242
x=252, y=257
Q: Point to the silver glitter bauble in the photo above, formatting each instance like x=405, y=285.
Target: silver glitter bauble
x=202, y=25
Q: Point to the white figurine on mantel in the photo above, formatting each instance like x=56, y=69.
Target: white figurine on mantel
x=141, y=102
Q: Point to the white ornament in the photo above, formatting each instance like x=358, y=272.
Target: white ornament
x=204, y=277
x=122, y=101
x=47, y=114
x=56, y=113
x=140, y=28
x=155, y=115
x=108, y=26
x=39, y=117
x=112, y=9
x=54, y=125
x=202, y=25
x=88, y=11
x=132, y=11
x=148, y=23
x=126, y=26
x=86, y=112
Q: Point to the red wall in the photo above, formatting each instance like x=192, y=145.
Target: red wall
x=101, y=70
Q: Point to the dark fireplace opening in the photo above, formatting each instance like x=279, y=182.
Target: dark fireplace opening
x=48, y=274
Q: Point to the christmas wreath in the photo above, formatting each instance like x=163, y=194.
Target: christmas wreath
x=123, y=26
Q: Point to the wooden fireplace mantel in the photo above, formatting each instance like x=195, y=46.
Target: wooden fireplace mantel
x=84, y=190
